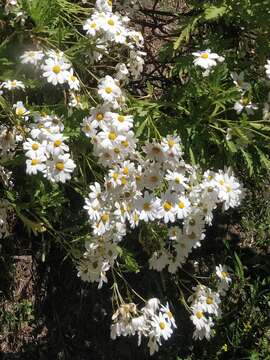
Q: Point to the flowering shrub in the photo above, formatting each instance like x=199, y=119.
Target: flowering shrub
x=72, y=121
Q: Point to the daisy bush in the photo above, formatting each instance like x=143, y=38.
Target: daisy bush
x=125, y=171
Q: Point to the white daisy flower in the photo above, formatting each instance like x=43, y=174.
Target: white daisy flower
x=171, y=145
x=33, y=148
x=109, y=137
x=230, y=191
x=36, y=164
x=198, y=317
x=32, y=57
x=88, y=127
x=167, y=314
x=60, y=168
x=210, y=302
x=104, y=5
x=122, y=122
x=167, y=209
x=206, y=59
x=224, y=277
x=91, y=27
x=111, y=25
x=177, y=181
x=154, y=151
x=13, y=84
x=56, y=145
x=238, y=80
x=73, y=81
x=147, y=206
x=56, y=70
x=108, y=89
x=245, y=104
x=182, y=207
x=152, y=176
x=21, y=111
x=162, y=328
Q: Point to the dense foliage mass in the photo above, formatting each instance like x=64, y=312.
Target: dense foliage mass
x=121, y=161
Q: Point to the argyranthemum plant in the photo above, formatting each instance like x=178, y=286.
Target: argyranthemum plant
x=72, y=124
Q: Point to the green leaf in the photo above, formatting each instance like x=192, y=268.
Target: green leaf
x=186, y=32
x=248, y=160
x=239, y=267
x=214, y=12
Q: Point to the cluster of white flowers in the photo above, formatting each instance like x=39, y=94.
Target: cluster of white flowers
x=205, y=304
x=207, y=60
x=14, y=7
x=56, y=69
x=157, y=187
x=46, y=149
x=108, y=28
x=5, y=213
x=154, y=321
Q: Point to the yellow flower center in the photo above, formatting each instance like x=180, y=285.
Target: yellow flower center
x=109, y=2
x=112, y=136
x=93, y=25
x=111, y=22
x=177, y=180
x=162, y=325
x=228, y=188
x=125, y=170
x=125, y=143
x=13, y=83
x=209, y=300
x=224, y=274
x=73, y=78
x=121, y=118
x=199, y=314
x=167, y=206
x=181, y=204
x=35, y=146
x=146, y=206
x=60, y=166
x=171, y=143
x=221, y=182
x=34, y=162
x=105, y=217
x=99, y=116
x=204, y=56
x=57, y=143
x=170, y=315
x=210, y=177
x=20, y=111
x=123, y=181
x=115, y=176
x=56, y=69
x=245, y=101
x=108, y=90
x=117, y=150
